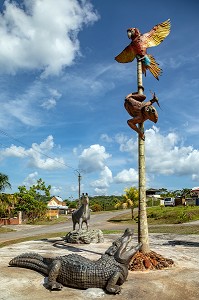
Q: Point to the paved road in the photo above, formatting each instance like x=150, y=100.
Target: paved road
x=97, y=221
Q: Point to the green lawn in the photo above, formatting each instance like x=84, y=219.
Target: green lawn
x=54, y=220
x=5, y=229
x=165, y=219
x=163, y=215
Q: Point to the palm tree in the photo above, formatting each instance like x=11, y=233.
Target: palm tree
x=143, y=234
x=131, y=197
x=4, y=182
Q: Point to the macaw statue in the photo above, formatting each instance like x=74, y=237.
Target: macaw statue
x=140, y=111
x=139, y=44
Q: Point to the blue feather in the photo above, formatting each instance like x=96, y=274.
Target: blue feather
x=146, y=60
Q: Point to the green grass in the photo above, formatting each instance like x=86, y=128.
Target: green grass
x=5, y=229
x=172, y=215
x=165, y=219
x=175, y=229
x=47, y=221
x=112, y=231
x=163, y=215
x=33, y=238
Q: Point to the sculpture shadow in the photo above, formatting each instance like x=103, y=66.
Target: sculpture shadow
x=57, y=243
x=182, y=243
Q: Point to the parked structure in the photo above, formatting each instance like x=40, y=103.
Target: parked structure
x=56, y=207
x=195, y=195
x=169, y=201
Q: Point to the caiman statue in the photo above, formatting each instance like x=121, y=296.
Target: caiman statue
x=108, y=272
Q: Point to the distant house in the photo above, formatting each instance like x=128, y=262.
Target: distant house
x=153, y=193
x=195, y=192
x=56, y=207
x=195, y=196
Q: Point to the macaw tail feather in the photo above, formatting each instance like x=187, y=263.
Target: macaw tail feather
x=153, y=67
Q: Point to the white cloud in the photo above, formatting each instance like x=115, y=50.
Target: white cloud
x=74, y=188
x=55, y=190
x=14, y=151
x=93, y=158
x=48, y=104
x=105, y=138
x=100, y=191
x=42, y=35
x=104, y=181
x=30, y=179
x=165, y=154
x=25, y=108
x=127, y=176
x=20, y=110
x=52, y=101
x=37, y=155
x=128, y=145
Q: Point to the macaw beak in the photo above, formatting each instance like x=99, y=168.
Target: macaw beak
x=129, y=34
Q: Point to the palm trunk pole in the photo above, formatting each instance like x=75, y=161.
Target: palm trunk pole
x=143, y=236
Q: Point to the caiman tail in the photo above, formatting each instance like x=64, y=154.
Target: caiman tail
x=32, y=261
x=153, y=67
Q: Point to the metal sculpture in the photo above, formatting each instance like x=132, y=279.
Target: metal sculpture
x=140, y=111
x=82, y=214
x=140, y=43
x=108, y=272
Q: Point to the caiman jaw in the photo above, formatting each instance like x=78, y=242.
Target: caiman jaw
x=122, y=253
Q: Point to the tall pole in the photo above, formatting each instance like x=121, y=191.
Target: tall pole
x=143, y=236
x=79, y=185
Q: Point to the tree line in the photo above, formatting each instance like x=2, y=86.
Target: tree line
x=33, y=201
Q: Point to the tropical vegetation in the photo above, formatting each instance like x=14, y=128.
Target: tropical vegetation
x=33, y=201
x=4, y=182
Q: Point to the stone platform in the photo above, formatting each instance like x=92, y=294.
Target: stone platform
x=180, y=282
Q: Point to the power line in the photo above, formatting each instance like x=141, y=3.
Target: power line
x=24, y=144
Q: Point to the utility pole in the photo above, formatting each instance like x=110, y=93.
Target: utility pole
x=79, y=186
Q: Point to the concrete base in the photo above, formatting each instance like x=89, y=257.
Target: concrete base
x=177, y=283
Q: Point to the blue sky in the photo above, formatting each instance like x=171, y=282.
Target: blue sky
x=62, y=95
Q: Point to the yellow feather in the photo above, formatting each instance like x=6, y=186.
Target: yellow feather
x=154, y=68
x=157, y=34
x=127, y=55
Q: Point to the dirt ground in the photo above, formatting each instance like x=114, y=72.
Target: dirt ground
x=179, y=282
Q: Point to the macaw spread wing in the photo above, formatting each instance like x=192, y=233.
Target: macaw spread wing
x=127, y=55
x=157, y=34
